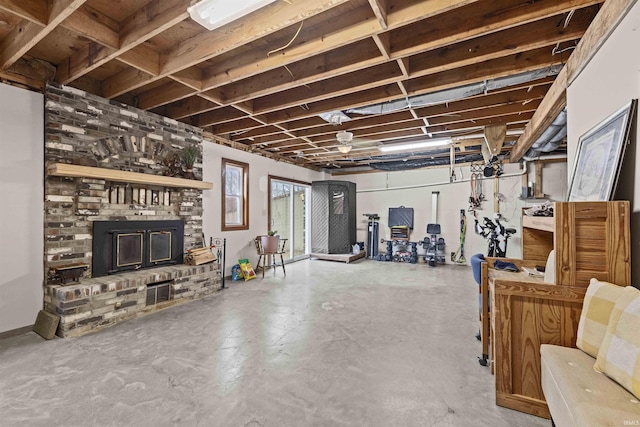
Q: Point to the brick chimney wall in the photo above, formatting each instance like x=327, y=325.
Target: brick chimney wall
x=82, y=128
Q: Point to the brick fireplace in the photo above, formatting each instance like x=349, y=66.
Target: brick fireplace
x=86, y=132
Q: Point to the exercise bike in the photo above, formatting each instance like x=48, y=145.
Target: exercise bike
x=497, y=235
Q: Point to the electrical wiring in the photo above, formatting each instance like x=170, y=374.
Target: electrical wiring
x=290, y=42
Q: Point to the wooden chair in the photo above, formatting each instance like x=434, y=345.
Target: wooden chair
x=269, y=258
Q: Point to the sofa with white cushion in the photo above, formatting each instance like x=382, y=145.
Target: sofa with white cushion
x=598, y=383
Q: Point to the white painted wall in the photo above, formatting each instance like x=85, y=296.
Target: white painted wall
x=240, y=243
x=377, y=192
x=21, y=216
x=610, y=80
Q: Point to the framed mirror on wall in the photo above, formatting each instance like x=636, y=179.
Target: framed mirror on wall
x=599, y=157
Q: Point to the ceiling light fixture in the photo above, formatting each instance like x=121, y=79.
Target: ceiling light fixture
x=344, y=149
x=213, y=14
x=415, y=145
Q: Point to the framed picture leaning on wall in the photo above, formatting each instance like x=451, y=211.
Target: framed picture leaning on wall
x=599, y=157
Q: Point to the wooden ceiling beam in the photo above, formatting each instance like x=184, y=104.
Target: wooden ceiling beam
x=379, y=8
x=387, y=44
x=133, y=76
x=379, y=75
x=95, y=26
x=185, y=108
x=191, y=77
x=378, y=131
x=239, y=90
x=356, y=99
x=556, y=99
x=267, y=134
x=540, y=34
x=519, y=96
x=141, y=57
x=521, y=62
x=171, y=90
x=313, y=126
x=218, y=116
x=353, y=81
x=87, y=59
x=274, y=17
x=279, y=140
x=31, y=73
x=28, y=33
x=153, y=18
x=500, y=110
x=523, y=93
x=384, y=123
x=383, y=41
x=239, y=68
x=358, y=55
x=18, y=42
x=485, y=17
x=208, y=45
x=480, y=124
x=243, y=124
x=212, y=95
x=355, y=28
x=358, y=123
x=196, y=104
x=405, y=66
x=381, y=132
x=33, y=11
x=209, y=137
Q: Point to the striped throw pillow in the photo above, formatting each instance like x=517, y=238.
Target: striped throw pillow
x=596, y=309
x=619, y=355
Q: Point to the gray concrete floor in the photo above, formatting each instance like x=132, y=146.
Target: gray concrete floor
x=362, y=344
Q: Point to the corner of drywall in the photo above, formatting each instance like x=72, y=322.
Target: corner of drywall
x=21, y=217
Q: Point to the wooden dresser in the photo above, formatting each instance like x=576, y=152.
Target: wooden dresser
x=591, y=239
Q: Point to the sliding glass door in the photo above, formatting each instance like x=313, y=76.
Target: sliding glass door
x=288, y=214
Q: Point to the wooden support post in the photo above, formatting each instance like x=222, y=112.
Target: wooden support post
x=496, y=190
x=538, y=189
x=494, y=138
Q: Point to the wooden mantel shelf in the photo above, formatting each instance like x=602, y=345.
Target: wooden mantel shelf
x=76, y=171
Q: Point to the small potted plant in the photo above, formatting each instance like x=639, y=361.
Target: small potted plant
x=270, y=242
x=190, y=156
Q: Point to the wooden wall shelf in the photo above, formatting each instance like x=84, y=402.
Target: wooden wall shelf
x=591, y=239
x=76, y=171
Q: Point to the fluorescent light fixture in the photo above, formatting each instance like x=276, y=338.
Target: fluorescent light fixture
x=344, y=149
x=213, y=14
x=415, y=145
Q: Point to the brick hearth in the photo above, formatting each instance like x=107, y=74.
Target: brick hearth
x=104, y=301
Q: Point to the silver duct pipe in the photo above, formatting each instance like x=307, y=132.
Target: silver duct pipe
x=551, y=138
x=453, y=94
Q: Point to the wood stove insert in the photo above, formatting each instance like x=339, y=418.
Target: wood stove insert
x=132, y=245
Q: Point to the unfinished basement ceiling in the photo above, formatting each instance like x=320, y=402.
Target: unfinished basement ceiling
x=394, y=71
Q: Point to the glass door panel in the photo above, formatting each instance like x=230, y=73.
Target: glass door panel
x=299, y=220
x=288, y=207
x=280, y=211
